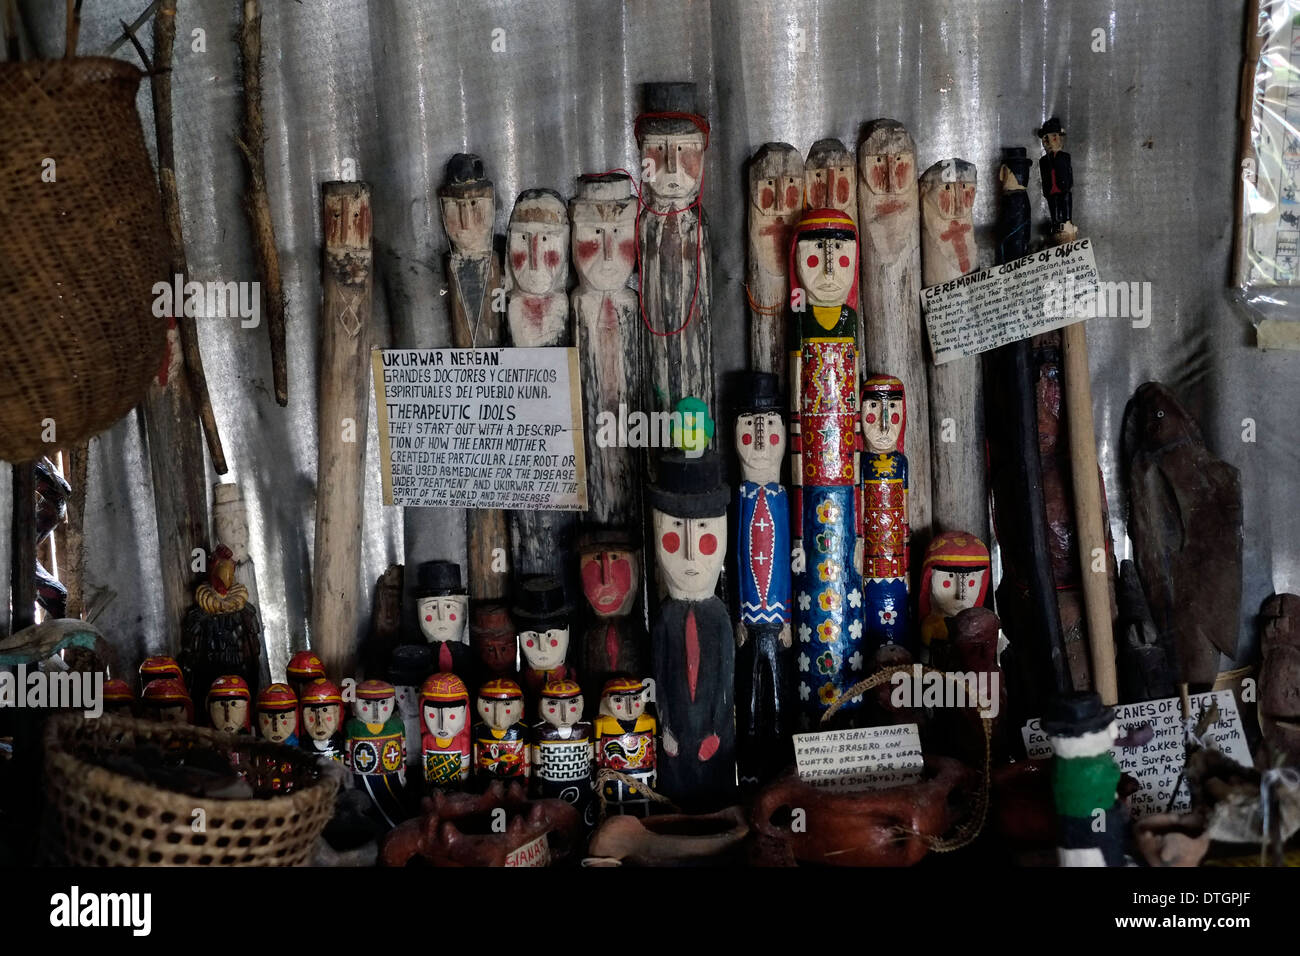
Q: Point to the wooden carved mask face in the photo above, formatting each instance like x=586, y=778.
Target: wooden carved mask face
x=499, y=714
x=497, y=652
x=374, y=711
x=826, y=268
x=228, y=714
x=468, y=221
x=760, y=444
x=544, y=650
x=950, y=199
x=604, y=242
x=690, y=552
x=775, y=203
x=889, y=174
x=830, y=181
x=444, y=617
x=321, y=721
x=954, y=589
x=624, y=706
x=539, y=245
x=445, y=721
x=674, y=163
x=882, y=421
x=561, y=711
x=277, y=726
x=609, y=580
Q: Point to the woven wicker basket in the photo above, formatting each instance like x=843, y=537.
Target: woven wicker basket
x=101, y=818
x=79, y=256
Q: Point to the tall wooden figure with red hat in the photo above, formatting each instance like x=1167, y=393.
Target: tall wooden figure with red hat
x=320, y=729
x=885, y=525
x=824, y=460
x=445, y=742
x=625, y=743
x=277, y=721
x=954, y=576
x=442, y=608
x=764, y=668
x=500, y=736
x=562, y=749
x=222, y=633
x=692, y=642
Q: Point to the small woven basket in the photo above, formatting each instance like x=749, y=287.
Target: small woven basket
x=79, y=256
x=101, y=818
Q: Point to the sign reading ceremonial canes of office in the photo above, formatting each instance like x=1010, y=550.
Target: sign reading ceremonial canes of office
x=889, y=228
x=341, y=423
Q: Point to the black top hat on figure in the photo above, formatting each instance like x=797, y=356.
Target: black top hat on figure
x=761, y=393
x=1073, y=715
x=540, y=603
x=689, y=486
x=1053, y=125
x=659, y=99
x=1016, y=160
x=601, y=538
x=438, y=579
x=410, y=664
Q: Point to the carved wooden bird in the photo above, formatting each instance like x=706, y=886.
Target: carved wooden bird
x=1185, y=521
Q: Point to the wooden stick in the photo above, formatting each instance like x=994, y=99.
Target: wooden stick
x=23, y=548
x=164, y=39
x=128, y=32
x=345, y=337
x=72, y=28
x=13, y=49
x=230, y=527
x=256, y=201
x=776, y=201
x=71, y=535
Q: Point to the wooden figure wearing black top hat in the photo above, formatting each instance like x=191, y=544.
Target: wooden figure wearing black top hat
x=692, y=643
x=442, y=607
x=1091, y=823
x=1058, y=178
x=541, y=615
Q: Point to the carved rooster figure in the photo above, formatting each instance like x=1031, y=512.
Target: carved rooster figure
x=222, y=633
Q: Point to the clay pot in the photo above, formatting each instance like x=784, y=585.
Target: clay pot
x=678, y=839
x=858, y=828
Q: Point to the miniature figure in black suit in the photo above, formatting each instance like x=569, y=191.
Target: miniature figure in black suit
x=1058, y=180
x=1013, y=212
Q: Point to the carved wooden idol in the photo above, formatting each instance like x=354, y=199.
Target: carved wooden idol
x=625, y=743
x=764, y=659
x=303, y=668
x=442, y=609
x=445, y=743
x=776, y=190
x=1058, y=179
x=824, y=462
x=500, y=736
x=1091, y=824
x=672, y=137
x=166, y=700
x=375, y=751
x=885, y=526
x=230, y=527
x=541, y=615
x=229, y=705
x=889, y=223
x=830, y=180
x=321, y=724
x=118, y=698
x=691, y=638
x=956, y=414
x=222, y=633
x=615, y=639
x=160, y=667
x=1279, y=677
x=277, y=715
x=495, y=644
x=607, y=326
x=562, y=748
x=954, y=576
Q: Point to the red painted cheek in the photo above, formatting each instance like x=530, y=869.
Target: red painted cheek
x=766, y=198
x=428, y=617
x=627, y=249
x=893, y=419
x=871, y=419
x=945, y=203
x=529, y=642
x=812, y=262
x=451, y=617
x=587, y=249
x=518, y=260
x=844, y=262
x=671, y=542
x=708, y=544
x=817, y=194
x=970, y=583
x=746, y=439
x=791, y=197
x=902, y=172
x=879, y=177
x=773, y=439
x=947, y=584
x=552, y=259
x=692, y=160
x=842, y=191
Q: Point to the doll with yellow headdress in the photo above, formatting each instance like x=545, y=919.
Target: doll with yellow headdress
x=885, y=527
x=561, y=743
x=445, y=745
x=954, y=576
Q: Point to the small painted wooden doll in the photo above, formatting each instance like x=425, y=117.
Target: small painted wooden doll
x=468, y=215
x=277, y=715
x=824, y=461
x=229, y=704
x=321, y=723
x=160, y=668
x=885, y=525
x=764, y=665
x=624, y=737
x=692, y=641
x=442, y=608
x=445, y=745
x=303, y=668
x=954, y=576
x=541, y=615
x=830, y=178
x=408, y=666
x=166, y=700
x=615, y=640
x=538, y=307
x=562, y=747
x=1091, y=824
x=222, y=632
x=375, y=751
x=495, y=644
x=500, y=737
x=118, y=698
x=1058, y=179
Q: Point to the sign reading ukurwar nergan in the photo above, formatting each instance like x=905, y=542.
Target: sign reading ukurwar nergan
x=481, y=428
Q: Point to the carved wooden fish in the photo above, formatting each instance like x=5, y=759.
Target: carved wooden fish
x=1185, y=521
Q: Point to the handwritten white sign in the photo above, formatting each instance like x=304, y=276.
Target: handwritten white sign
x=868, y=758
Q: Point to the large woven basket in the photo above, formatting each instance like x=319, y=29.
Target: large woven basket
x=79, y=256
x=101, y=818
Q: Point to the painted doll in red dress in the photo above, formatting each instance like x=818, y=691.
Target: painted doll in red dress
x=884, y=512
x=445, y=741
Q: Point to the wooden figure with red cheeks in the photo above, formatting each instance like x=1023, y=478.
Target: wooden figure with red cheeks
x=889, y=220
x=948, y=251
x=824, y=462
x=303, y=668
x=118, y=698
x=321, y=725
x=954, y=576
x=624, y=737
x=775, y=204
x=229, y=704
x=166, y=700
x=493, y=638
x=692, y=641
x=885, y=526
x=538, y=308
x=500, y=736
x=445, y=743
x=375, y=751
x=277, y=715
x=541, y=616
x=764, y=665
x=222, y=632
x=615, y=640
x=830, y=179
x=676, y=260
x=159, y=668
x=442, y=609
x=562, y=748
x=607, y=326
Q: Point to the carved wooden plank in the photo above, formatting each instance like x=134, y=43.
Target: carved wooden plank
x=776, y=189
x=956, y=404
x=889, y=224
x=345, y=337
x=468, y=202
x=830, y=181
x=607, y=325
x=230, y=527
